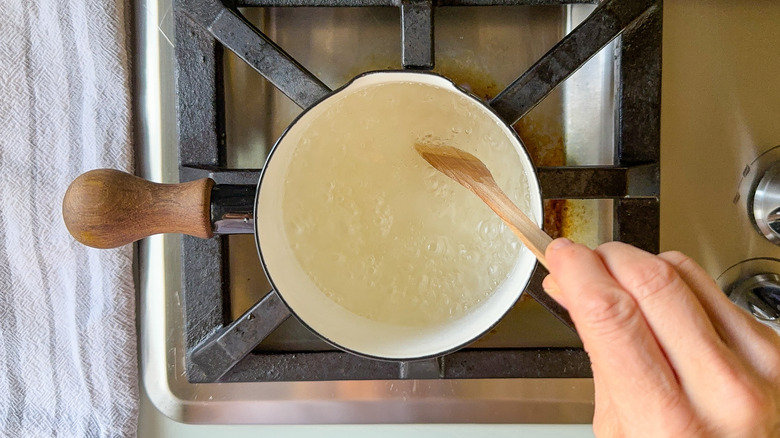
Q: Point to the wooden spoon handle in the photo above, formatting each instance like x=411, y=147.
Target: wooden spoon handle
x=524, y=228
x=106, y=208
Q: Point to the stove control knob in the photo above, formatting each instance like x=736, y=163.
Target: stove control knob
x=766, y=204
x=759, y=295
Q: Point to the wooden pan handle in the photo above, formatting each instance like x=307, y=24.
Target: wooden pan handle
x=106, y=208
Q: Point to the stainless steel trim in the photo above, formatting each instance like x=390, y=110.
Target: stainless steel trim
x=766, y=204
x=233, y=209
x=235, y=223
x=162, y=346
x=753, y=285
x=759, y=295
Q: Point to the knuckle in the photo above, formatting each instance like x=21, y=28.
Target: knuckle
x=676, y=258
x=773, y=365
x=672, y=400
x=769, y=341
x=606, y=248
x=609, y=312
x=683, y=263
x=653, y=277
x=751, y=404
x=568, y=255
x=770, y=354
x=750, y=407
x=681, y=420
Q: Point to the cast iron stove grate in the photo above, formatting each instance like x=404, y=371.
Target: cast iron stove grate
x=218, y=350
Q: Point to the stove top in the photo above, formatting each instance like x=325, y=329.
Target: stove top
x=581, y=86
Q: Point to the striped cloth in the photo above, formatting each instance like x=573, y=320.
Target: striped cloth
x=67, y=313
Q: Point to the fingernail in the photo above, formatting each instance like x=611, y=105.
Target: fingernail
x=560, y=243
x=550, y=286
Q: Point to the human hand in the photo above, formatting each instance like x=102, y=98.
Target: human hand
x=671, y=355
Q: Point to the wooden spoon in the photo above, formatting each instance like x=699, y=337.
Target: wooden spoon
x=468, y=171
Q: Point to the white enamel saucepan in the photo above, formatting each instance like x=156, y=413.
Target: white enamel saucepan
x=105, y=208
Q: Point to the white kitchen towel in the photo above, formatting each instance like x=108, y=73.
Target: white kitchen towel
x=68, y=364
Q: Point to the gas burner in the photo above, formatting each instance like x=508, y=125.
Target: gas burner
x=220, y=347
